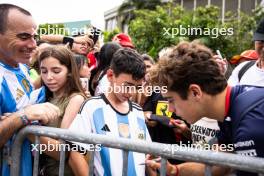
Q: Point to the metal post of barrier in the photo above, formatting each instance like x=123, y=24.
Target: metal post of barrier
x=16, y=152
x=163, y=167
x=245, y=163
x=91, y=164
x=208, y=170
x=62, y=158
x=36, y=157
x=125, y=162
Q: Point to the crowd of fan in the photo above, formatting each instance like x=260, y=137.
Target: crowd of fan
x=69, y=82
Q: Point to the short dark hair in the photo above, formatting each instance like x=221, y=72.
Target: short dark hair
x=128, y=61
x=4, y=10
x=147, y=57
x=188, y=63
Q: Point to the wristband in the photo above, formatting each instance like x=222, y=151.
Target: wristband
x=24, y=120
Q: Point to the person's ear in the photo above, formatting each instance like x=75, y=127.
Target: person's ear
x=110, y=75
x=195, y=91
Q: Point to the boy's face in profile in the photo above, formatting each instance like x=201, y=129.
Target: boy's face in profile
x=123, y=85
x=190, y=109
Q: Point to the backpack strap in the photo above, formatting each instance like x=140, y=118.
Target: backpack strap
x=243, y=70
x=243, y=104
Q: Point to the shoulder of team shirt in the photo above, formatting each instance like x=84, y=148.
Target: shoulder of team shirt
x=91, y=102
x=136, y=106
x=239, y=89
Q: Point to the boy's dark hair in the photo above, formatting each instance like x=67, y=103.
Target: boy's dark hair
x=4, y=10
x=189, y=63
x=128, y=61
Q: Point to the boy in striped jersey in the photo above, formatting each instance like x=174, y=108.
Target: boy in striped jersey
x=113, y=114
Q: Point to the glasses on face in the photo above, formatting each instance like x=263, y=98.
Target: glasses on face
x=25, y=36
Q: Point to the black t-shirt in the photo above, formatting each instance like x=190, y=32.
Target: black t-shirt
x=162, y=132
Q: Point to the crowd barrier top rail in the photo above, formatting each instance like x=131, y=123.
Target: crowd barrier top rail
x=166, y=151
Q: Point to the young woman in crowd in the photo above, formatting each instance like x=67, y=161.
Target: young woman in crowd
x=84, y=71
x=82, y=65
x=99, y=82
x=60, y=76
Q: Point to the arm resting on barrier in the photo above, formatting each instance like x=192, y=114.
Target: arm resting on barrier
x=8, y=126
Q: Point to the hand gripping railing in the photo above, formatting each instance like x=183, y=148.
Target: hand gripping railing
x=210, y=158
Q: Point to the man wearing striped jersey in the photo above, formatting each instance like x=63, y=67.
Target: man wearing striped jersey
x=17, y=31
x=113, y=114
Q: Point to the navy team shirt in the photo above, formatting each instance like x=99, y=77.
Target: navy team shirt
x=248, y=137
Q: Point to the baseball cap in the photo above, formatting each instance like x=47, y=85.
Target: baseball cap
x=259, y=33
x=247, y=54
x=123, y=39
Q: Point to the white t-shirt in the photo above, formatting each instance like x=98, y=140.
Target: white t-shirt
x=204, y=130
x=253, y=76
x=102, y=86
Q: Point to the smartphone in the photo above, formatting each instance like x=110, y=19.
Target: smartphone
x=96, y=34
x=219, y=54
x=221, y=58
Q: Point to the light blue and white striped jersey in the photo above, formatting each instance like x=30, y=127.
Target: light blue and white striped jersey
x=98, y=116
x=16, y=92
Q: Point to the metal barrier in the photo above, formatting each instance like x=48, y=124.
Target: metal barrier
x=210, y=158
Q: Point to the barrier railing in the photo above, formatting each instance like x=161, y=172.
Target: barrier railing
x=251, y=164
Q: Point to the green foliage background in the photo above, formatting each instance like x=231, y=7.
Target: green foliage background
x=109, y=35
x=147, y=29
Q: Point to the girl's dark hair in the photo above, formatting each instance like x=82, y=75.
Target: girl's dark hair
x=104, y=58
x=65, y=57
x=106, y=54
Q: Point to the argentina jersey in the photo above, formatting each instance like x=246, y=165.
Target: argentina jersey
x=16, y=89
x=16, y=92
x=98, y=116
